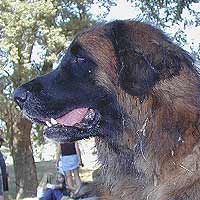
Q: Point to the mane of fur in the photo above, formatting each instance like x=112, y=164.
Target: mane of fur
x=155, y=155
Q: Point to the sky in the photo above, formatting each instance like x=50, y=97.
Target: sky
x=126, y=10
x=123, y=10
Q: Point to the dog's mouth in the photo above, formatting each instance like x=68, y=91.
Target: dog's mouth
x=77, y=124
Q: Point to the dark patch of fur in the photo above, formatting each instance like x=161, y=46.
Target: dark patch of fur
x=136, y=73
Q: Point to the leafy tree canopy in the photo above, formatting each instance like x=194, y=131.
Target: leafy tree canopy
x=162, y=12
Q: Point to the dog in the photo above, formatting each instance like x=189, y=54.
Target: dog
x=129, y=86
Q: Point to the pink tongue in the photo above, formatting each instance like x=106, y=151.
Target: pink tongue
x=73, y=117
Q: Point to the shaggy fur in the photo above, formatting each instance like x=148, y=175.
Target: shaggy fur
x=147, y=91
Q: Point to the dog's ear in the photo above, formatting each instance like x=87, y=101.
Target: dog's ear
x=142, y=62
x=136, y=75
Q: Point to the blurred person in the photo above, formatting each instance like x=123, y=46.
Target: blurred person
x=58, y=190
x=70, y=156
x=4, y=175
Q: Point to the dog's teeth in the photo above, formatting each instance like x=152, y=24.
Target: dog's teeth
x=53, y=121
x=48, y=124
x=90, y=115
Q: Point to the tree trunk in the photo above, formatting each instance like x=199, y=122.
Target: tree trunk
x=24, y=165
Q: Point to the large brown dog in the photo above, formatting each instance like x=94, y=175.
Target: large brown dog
x=127, y=84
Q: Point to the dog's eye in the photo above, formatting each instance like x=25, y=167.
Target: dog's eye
x=78, y=60
x=81, y=67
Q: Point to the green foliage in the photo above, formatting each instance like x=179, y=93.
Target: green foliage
x=161, y=12
x=45, y=24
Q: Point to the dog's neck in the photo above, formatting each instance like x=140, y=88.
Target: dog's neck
x=137, y=140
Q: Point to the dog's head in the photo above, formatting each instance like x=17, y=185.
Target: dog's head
x=79, y=99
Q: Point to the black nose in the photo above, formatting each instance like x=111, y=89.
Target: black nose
x=20, y=96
